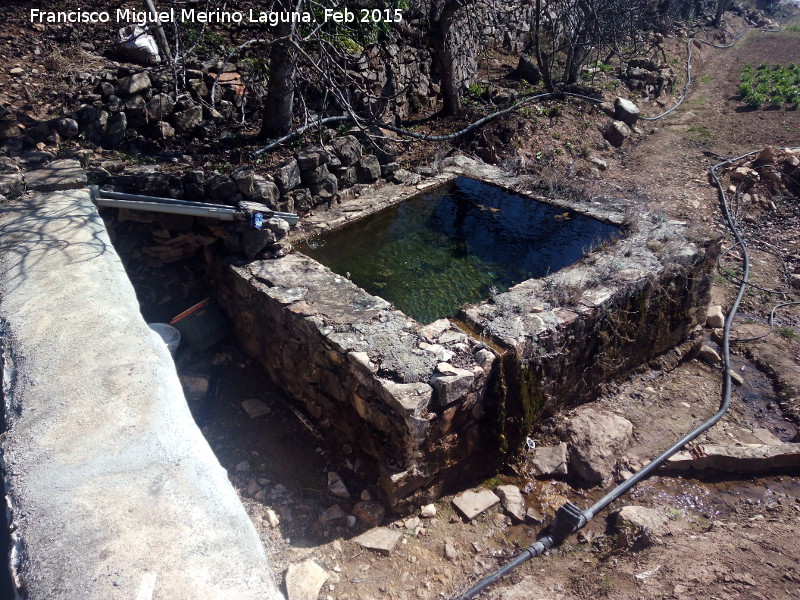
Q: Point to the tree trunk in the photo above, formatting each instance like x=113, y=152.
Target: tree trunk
x=573, y=65
x=161, y=38
x=279, y=104
x=722, y=6
x=445, y=57
x=544, y=66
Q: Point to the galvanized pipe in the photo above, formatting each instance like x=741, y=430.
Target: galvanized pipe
x=179, y=207
x=98, y=193
x=226, y=214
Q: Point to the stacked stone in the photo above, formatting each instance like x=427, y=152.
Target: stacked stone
x=407, y=398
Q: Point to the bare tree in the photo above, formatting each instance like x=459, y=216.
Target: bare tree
x=279, y=103
x=566, y=33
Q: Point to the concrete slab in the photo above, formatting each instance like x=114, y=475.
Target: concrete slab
x=64, y=174
x=112, y=489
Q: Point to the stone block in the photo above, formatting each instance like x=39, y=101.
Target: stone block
x=133, y=84
x=746, y=459
x=348, y=149
x=287, y=177
x=368, y=169
x=452, y=386
x=159, y=107
x=405, y=398
x=188, y=119
x=309, y=159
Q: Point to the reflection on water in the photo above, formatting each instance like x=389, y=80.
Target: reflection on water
x=457, y=245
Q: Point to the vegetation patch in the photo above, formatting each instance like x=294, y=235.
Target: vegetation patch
x=778, y=85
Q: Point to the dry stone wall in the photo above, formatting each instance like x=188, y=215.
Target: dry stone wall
x=407, y=399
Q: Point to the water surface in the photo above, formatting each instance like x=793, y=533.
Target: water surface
x=456, y=245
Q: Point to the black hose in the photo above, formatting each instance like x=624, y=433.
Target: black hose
x=569, y=521
x=688, y=84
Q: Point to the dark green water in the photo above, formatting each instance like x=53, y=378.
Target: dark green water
x=456, y=245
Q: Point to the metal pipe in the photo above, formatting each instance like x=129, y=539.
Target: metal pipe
x=212, y=212
x=138, y=202
x=98, y=193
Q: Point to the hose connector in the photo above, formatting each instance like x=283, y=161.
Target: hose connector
x=569, y=519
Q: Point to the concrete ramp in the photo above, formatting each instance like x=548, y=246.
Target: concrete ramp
x=113, y=491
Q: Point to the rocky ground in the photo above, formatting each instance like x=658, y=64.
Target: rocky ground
x=695, y=535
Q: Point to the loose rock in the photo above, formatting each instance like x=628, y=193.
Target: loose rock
x=736, y=378
x=595, y=440
x=550, y=461
x=709, y=355
x=370, y=512
x=473, y=502
x=428, y=511
x=331, y=514
x=626, y=111
x=255, y=408
x=512, y=501
x=640, y=526
x=380, y=539
x=715, y=317
x=336, y=486
x=67, y=128
x=528, y=70
x=450, y=552
x=616, y=133
x=607, y=108
x=305, y=580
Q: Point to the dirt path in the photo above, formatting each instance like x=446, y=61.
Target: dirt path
x=670, y=166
